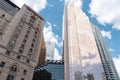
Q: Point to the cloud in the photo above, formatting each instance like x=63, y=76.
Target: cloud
x=106, y=34
x=106, y=12
x=37, y=5
x=117, y=64
x=57, y=56
x=77, y=2
x=51, y=40
x=112, y=50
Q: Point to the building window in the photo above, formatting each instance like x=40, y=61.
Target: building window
x=10, y=77
x=20, y=27
x=17, y=32
x=27, y=61
x=21, y=24
x=13, y=41
x=20, y=51
x=29, y=28
x=27, y=32
x=10, y=46
x=31, y=50
x=3, y=15
x=24, y=72
x=35, y=32
x=22, y=46
x=35, y=36
x=15, y=36
x=18, y=57
x=33, y=40
x=29, y=55
x=2, y=64
x=26, y=36
x=32, y=45
x=24, y=40
x=22, y=79
x=14, y=68
x=7, y=52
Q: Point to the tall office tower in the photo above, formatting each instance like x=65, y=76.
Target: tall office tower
x=20, y=41
x=81, y=57
x=109, y=68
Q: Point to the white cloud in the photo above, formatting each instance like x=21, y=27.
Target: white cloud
x=106, y=11
x=37, y=5
x=57, y=56
x=77, y=2
x=112, y=50
x=106, y=34
x=51, y=40
x=117, y=64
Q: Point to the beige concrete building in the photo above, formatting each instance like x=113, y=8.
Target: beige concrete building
x=81, y=57
x=21, y=35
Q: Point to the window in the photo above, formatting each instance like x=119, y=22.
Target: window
x=26, y=36
x=22, y=79
x=10, y=46
x=27, y=32
x=10, y=77
x=29, y=55
x=3, y=15
x=15, y=36
x=17, y=32
x=20, y=27
x=2, y=64
x=22, y=46
x=31, y=50
x=27, y=61
x=13, y=41
x=35, y=36
x=7, y=52
x=33, y=40
x=14, y=68
x=32, y=45
x=21, y=24
x=20, y=51
x=29, y=28
x=24, y=40
x=18, y=57
x=24, y=72
x=35, y=32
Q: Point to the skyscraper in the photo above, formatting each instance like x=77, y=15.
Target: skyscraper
x=20, y=41
x=82, y=58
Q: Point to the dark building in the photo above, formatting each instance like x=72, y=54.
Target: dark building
x=51, y=70
x=42, y=75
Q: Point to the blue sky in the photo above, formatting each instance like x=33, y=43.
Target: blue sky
x=103, y=13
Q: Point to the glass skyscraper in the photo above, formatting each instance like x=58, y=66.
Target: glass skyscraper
x=107, y=62
x=82, y=58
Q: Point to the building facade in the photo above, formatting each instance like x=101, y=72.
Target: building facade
x=54, y=69
x=107, y=62
x=82, y=58
x=21, y=34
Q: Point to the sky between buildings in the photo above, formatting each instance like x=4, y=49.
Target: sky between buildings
x=103, y=13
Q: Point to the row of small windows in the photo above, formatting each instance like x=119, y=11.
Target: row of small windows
x=14, y=69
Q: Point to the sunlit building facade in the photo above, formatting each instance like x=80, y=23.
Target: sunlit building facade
x=21, y=35
x=107, y=62
x=82, y=58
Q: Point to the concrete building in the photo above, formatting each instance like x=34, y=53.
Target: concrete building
x=82, y=58
x=21, y=35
